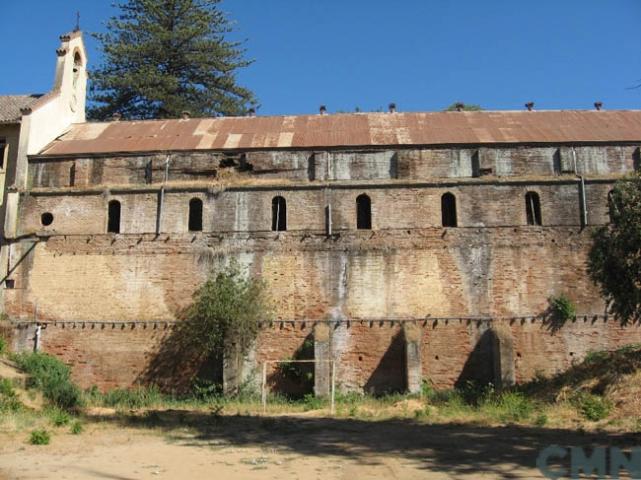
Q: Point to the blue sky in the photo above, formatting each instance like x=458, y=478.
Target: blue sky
x=421, y=54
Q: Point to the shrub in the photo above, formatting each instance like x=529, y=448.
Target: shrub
x=133, y=398
x=6, y=388
x=59, y=417
x=312, y=402
x=475, y=393
x=561, y=308
x=3, y=346
x=65, y=395
x=9, y=401
x=39, y=437
x=76, y=428
x=206, y=390
x=52, y=377
x=591, y=406
x=226, y=313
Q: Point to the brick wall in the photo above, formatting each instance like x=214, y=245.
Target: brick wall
x=248, y=209
x=457, y=283
x=409, y=164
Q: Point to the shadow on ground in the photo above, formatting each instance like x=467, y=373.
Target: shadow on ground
x=453, y=448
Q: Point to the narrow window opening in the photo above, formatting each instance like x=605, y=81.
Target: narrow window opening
x=279, y=214
x=393, y=166
x=46, y=219
x=195, y=215
x=363, y=212
x=113, y=224
x=612, y=206
x=476, y=164
x=148, y=172
x=10, y=283
x=556, y=161
x=244, y=165
x=328, y=219
x=448, y=210
x=4, y=148
x=72, y=175
x=533, y=208
x=311, y=168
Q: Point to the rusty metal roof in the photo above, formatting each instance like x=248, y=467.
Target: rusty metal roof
x=10, y=106
x=350, y=130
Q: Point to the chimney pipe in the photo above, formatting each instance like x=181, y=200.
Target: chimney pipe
x=529, y=106
x=598, y=105
x=116, y=117
x=185, y=114
x=459, y=106
x=322, y=110
x=392, y=107
x=251, y=112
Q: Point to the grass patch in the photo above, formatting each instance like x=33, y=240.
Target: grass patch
x=3, y=346
x=76, y=428
x=58, y=417
x=9, y=401
x=592, y=407
x=39, y=437
x=508, y=406
x=134, y=398
x=52, y=377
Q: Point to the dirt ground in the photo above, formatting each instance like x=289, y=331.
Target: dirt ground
x=191, y=445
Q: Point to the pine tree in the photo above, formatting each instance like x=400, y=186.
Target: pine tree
x=163, y=57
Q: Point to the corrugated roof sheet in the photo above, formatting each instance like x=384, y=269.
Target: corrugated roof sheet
x=10, y=106
x=351, y=130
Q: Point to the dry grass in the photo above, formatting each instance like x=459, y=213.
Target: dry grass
x=613, y=377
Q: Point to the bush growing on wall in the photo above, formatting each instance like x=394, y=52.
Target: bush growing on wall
x=226, y=312
x=561, y=308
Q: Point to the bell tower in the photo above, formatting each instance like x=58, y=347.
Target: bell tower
x=71, y=75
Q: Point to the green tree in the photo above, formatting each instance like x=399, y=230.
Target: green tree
x=163, y=57
x=615, y=256
x=227, y=309
x=466, y=107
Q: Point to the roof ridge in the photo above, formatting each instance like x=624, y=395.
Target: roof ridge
x=361, y=114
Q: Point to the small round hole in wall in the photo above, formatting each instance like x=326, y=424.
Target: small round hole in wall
x=46, y=219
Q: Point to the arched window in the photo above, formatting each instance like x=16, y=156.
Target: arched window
x=195, y=215
x=77, y=66
x=363, y=212
x=279, y=214
x=448, y=210
x=612, y=205
x=533, y=208
x=113, y=223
